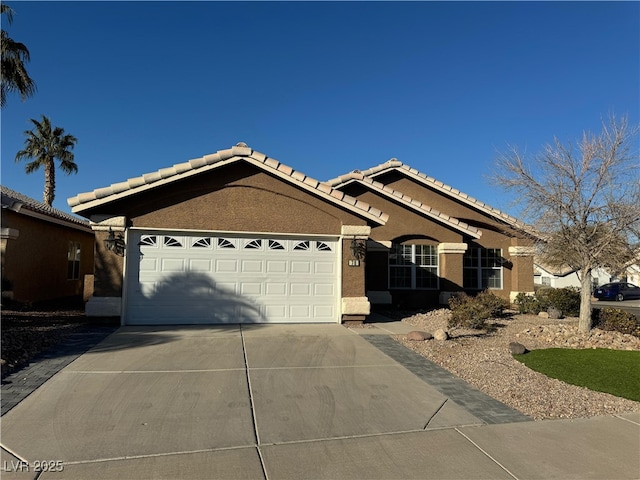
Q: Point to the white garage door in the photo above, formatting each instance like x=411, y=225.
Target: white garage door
x=199, y=279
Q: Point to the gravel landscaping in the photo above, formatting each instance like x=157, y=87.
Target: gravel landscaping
x=29, y=330
x=484, y=360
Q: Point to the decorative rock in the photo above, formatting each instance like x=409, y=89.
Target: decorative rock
x=554, y=313
x=440, y=334
x=417, y=336
x=517, y=348
x=543, y=315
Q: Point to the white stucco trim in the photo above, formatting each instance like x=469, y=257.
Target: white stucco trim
x=357, y=231
x=104, y=307
x=452, y=247
x=9, y=233
x=102, y=223
x=522, y=251
x=356, y=306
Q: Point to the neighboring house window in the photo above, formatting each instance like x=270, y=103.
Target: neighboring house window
x=73, y=261
x=483, y=268
x=413, y=266
x=546, y=281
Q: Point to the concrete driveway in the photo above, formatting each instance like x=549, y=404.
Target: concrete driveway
x=282, y=401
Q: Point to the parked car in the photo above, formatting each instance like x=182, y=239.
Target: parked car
x=617, y=291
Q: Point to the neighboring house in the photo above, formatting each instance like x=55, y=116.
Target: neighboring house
x=238, y=237
x=632, y=274
x=45, y=252
x=546, y=276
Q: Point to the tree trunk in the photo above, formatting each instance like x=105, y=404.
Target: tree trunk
x=49, y=181
x=585, y=323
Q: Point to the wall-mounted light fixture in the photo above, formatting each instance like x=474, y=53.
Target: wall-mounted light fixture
x=115, y=243
x=358, y=249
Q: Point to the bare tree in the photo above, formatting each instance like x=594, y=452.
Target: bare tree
x=583, y=199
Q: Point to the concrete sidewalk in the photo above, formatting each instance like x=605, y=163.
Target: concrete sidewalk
x=289, y=401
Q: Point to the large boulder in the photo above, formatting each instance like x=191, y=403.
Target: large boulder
x=554, y=313
x=417, y=336
x=517, y=348
x=441, y=334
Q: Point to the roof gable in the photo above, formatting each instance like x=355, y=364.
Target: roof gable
x=407, y=201
x=430, y=182
x=240, y=152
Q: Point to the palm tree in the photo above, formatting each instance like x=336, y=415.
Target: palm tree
x=14, y=76
x=44, y=144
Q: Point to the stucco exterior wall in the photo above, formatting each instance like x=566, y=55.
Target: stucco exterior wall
x=404, y=223
x=36, y=261
x=238, y=198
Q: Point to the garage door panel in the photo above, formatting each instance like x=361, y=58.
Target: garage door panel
x=277, y=266
x=200, y=265
x=226, y=265
x=298, y=267
x=252, y=266
x=253, y=289
x=172, y=265
x=325, y=267
x=324, y=289
x=300, y=289
x=149, y=264
x=178, y=278
x=300, y=311
x=323, y=312
x=276, y=289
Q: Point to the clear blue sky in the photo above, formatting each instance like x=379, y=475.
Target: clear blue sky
x=324, y=87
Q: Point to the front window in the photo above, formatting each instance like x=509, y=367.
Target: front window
x=73, y=261
x=413, y=266
x=483, y=269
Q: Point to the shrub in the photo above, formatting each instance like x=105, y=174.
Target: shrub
x=617, y=320
x=543, y=296
x=527, y=303
x=567, y=300
x=473, y=312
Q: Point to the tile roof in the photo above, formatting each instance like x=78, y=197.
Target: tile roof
x=240, y=152
x=407, y=201
x=395, y=164
x=16, y=201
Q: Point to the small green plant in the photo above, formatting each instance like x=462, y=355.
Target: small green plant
x=617, y=320
x=473, y=312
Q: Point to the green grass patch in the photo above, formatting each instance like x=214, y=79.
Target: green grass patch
x=611, y=371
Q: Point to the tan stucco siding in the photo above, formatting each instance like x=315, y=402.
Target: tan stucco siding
x=446, y=204
x=239, y=197
x=404, y=221
x=108, y=271
x=36, y=261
